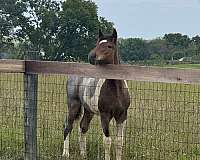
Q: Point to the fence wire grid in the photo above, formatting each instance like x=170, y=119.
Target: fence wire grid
x=163, y=121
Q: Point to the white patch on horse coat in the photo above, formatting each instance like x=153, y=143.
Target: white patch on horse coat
x=120, y=136
x=82, y=141
x=66, y=147
x=103, y=41
x=92, y=102
x=126, y=85
x=107, y=144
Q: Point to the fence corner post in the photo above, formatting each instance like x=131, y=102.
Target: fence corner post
x=30, y=115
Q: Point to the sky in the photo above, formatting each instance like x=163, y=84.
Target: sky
x=149, y=19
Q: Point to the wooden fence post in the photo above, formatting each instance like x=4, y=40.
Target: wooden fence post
x=30, y=115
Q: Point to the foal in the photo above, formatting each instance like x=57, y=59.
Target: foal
x=108, y=98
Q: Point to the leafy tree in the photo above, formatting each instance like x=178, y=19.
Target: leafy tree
x=196, y=39
x=28, y=20
x=196, y=46
x=177, y=40
x=177, y=43
x=10, y=10
x=78, y=28
x=41, y=27
x=133, y=49
x=58, y=30
x=79, y=25
x=158, y=47
x=105, y=25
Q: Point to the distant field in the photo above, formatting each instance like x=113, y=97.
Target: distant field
x=192, y=66
x=163, y=121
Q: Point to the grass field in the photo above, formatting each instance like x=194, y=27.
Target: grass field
x=191, y=66
x=163, y=121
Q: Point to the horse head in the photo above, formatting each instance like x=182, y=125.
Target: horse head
x=105, y=51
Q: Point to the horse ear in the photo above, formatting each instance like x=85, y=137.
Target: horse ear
x=114, y=35
x=100, y=33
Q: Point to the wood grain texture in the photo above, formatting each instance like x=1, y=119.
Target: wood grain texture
x=30, y=116
x=128, y=72
x=12, y=66
x=154, y=74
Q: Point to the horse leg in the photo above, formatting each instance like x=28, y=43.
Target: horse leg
x=120, y=136
x=84, y=125
x=105, y=120
x=120, y=123
x=73, y=113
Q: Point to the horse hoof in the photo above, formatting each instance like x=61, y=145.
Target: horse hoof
x=84, y=155
x=65, y=155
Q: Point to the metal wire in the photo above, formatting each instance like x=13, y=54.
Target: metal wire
x=11, y=116
x=163, y=121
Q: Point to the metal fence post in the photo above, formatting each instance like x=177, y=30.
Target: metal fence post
x=30, y=115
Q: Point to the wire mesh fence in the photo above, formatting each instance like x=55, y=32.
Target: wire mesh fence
x=163, y=121
x=11, y=116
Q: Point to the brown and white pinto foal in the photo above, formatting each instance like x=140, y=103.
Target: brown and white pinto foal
x=108, y=98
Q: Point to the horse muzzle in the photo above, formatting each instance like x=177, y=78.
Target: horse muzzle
x=94, y=60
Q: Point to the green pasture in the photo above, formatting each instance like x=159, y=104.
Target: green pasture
x=191, y=66
x=163, y=121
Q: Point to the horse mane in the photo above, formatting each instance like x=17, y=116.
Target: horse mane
x=116, y=57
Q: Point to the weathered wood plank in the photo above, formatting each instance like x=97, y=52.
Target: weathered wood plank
x=30, y=116
x=12, y=66
x=168, y=75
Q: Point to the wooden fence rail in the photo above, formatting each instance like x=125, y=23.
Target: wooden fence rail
x=155, y=74
x=12, y=66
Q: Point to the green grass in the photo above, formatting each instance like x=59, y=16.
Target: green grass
x=163, y=121
x=191, y=66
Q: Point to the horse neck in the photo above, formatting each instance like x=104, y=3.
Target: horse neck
x=117, y=83
x=116, y=58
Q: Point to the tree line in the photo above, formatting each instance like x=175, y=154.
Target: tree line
x=170, y=47
x=67, y=30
